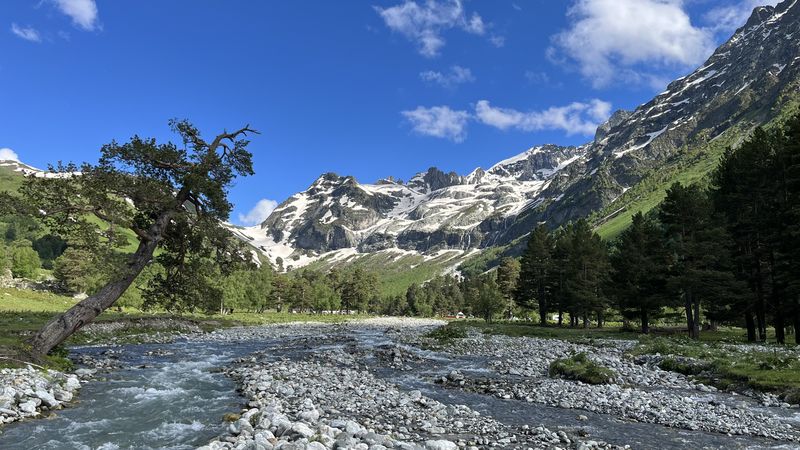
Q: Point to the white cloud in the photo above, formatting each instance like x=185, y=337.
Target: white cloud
x=611, y=40
x=726, y=19
x=27, y=33
x=497, y=41
x=424, y=23
x=439, y=121
x=6, y=154
x=537, y=77
x=575, y=118
x=455, y=76
x=259, y=213
x=82, y=12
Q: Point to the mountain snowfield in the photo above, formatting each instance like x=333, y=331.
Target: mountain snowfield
x=746, y=82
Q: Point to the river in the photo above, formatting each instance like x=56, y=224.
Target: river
x=173, y=396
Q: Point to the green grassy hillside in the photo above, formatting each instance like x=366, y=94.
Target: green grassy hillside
x=692, y=164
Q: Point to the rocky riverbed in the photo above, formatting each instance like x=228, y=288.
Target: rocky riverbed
x=640, y=392
x=332, y=399
x=383, y=383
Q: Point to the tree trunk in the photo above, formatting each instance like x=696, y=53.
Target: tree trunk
x=542, y=311
x=760, y=308
x=560, y=318
x=780, y=332
x=796, y=321
x=689, y=314
x=63, y=326
x=696, y=328
x=585, y=320
x=751, y=326
x=645, y=321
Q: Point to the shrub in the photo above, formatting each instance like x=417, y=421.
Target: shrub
x=24, y=262
x=580, y=368
x=447, y=333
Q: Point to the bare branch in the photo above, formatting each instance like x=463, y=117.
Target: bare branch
x=231, y=136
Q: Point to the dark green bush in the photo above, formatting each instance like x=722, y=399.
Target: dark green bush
x=580, y=368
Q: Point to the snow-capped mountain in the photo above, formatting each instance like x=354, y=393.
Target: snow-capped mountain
x=746, y=82
x=433, y=211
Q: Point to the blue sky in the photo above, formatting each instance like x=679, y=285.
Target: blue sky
x=363, y=88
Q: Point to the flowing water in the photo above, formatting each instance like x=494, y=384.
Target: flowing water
x=173, y=396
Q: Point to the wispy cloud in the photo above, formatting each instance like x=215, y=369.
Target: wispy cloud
x=424, y=23
x=6, y=154
x=82, y=12
x=450, y=79
x=439, y=121
x=27, y=33
x=497, y=41
x=537, y=77
x=258, y=213
x=443, y=122
x=575, y=118
x=630, y=40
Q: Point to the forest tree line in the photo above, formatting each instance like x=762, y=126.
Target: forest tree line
x=727, y=253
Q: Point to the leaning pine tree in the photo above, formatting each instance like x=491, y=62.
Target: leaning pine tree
x=173, y=198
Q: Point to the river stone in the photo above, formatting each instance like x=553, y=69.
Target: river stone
x=344, y=440
x=62, y=395
x=262, y=440
x=85, y=373
x=281, y=425
x=310, y=416
x=315, y=446
x=47, y=398
x=6, y=402
x=353, y=428
x=302, y=429
x=72, y=383
x=28, y=407
x=241, y=426
x=440, y=445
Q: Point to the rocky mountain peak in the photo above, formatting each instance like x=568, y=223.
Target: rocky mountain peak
x=434, y=179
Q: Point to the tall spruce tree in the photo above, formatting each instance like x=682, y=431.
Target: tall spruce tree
x=586, y=261
x=700, y=260
x=536, y=273
x=640, y=263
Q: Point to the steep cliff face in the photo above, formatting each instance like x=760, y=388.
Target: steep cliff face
x=744, y=83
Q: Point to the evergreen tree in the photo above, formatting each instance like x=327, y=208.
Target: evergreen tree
x=171, y=197
x=700, y=260
x=536, y=273
x=640, y=263
x=487, y=299
x=743, y=191
x=586, y=259
x=358, y=288
x=507, y=279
